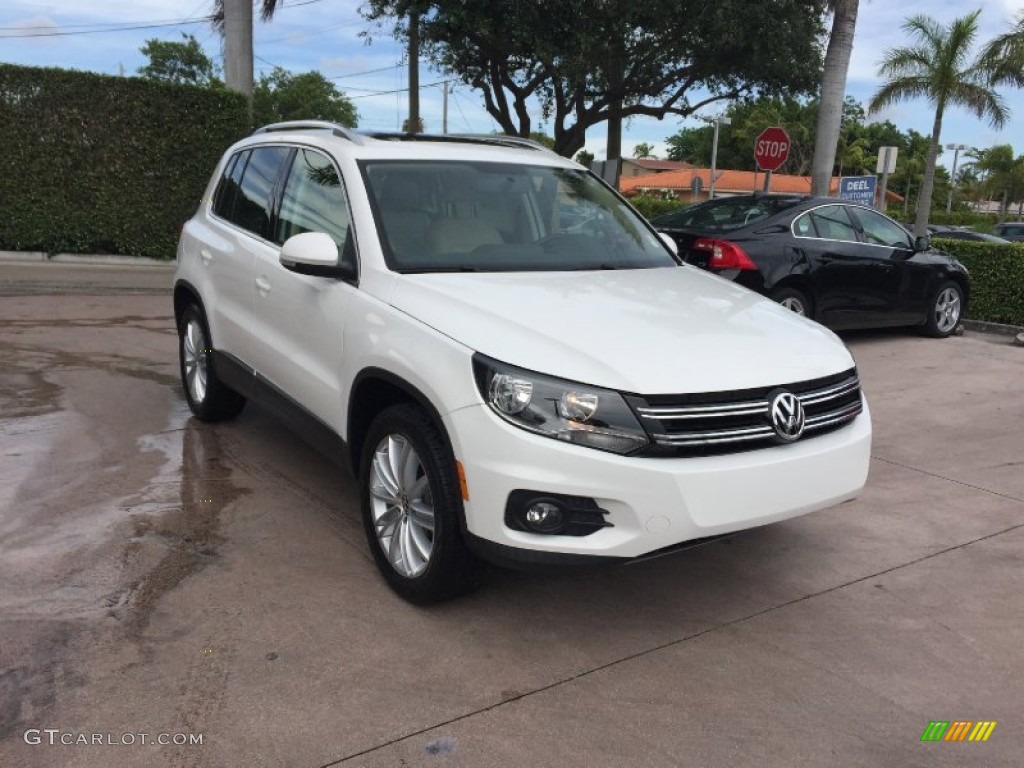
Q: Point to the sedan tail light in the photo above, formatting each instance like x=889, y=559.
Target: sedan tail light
x=724, y=254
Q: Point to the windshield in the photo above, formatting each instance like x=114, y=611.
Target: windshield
x=448, y=216
x=725, y=214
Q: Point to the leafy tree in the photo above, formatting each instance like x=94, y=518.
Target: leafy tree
x=282, y=95
x=584, y=158
x=939, y=68
x=1003, y=175
x=586, y=62
x=542, y=138
x=833, y=89
x=644, y=151
x=182, y=63
x=736, y=142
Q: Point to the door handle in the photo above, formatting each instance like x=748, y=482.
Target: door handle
x=206, y=257
x=263, y=286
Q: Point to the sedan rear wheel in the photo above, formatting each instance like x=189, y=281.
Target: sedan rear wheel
x=794, y=300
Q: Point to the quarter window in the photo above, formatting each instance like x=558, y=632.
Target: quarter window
x=252, y=208
x=878, y=230
x=314, y=201
x=226, y=196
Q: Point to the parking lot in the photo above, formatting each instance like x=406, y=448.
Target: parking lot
x=163, y=576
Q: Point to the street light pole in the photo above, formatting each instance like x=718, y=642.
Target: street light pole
x=952, y=178
x=718, y=121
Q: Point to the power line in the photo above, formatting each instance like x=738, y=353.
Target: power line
x=120, y=27
x=397, y=90
x=108, y=30
x=364, y=72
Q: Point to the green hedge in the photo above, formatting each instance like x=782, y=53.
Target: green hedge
x=100, y=164
x=651, y=207
x=997, y=278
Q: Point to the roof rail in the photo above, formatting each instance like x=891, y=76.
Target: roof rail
x=306, y=125
x=466, y=138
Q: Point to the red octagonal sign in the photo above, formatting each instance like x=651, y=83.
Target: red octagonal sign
x=771, y=148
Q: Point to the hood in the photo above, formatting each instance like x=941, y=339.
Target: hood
x=671, y=330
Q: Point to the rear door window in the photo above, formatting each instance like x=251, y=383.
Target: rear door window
x=831, y=222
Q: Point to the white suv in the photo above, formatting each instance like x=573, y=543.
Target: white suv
x=509, y=359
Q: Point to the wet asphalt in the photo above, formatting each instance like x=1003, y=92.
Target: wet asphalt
x=162, y=576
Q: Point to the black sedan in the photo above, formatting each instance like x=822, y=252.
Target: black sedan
x=842, y=264
x=965, y=234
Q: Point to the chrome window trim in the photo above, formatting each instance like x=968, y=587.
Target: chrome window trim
x=792, y=226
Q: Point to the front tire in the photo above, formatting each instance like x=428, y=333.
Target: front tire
x=411, y=505
x=945, y=310
x=208, y=397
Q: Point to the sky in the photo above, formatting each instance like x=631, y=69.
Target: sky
x=330, y=36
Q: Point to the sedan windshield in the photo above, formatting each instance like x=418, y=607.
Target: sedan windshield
x=449, y=216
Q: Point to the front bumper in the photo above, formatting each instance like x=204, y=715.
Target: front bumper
x=653, y=503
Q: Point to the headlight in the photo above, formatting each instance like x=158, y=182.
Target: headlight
x=577, y=413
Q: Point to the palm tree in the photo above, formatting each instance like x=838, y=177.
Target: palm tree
x=1005, y=54
x=939, y=68
x=237, y=50
x=833, y=92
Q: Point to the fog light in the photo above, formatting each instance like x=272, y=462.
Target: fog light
x=544, y=517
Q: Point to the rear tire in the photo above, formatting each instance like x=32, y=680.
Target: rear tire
x=412, y=503
x=794, y=300
x=945, y=310
x=208, y=397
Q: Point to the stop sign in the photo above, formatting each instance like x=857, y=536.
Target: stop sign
x=771, y=148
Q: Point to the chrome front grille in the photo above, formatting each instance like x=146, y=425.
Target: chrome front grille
x=687, y=425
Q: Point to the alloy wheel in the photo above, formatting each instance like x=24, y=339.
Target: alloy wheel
x=793, y=304
x=194, y=353
x=947, y=310
x=402, y=506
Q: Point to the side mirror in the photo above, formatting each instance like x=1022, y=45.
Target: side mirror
x=668, y=241
x=313, y=253
x=922, y=243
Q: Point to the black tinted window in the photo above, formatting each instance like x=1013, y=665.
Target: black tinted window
x=252, y=209
x=226, y=196
x=878, y=230
x=314, y=201
x=832, y=223
x=726, y=214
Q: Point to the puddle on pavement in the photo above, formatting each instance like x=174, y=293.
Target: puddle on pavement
x=97, y=521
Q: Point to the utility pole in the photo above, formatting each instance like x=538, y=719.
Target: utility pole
x=238, y=47
x=414, y=72
x=718, y=121
x=952, y=177
x=444, y=110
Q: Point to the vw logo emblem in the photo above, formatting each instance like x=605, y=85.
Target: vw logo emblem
x=787, y=414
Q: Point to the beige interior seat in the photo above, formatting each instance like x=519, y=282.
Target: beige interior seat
x=461, y=231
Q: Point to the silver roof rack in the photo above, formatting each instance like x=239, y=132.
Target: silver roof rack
x=466, y=138
x=307, y=125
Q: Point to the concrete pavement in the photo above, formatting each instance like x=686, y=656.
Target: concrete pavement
x=158, y=575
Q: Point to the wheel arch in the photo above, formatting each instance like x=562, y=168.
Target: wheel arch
x=184, y=294
x=373, y=390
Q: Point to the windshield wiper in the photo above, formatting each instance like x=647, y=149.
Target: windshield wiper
x=425, y=270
